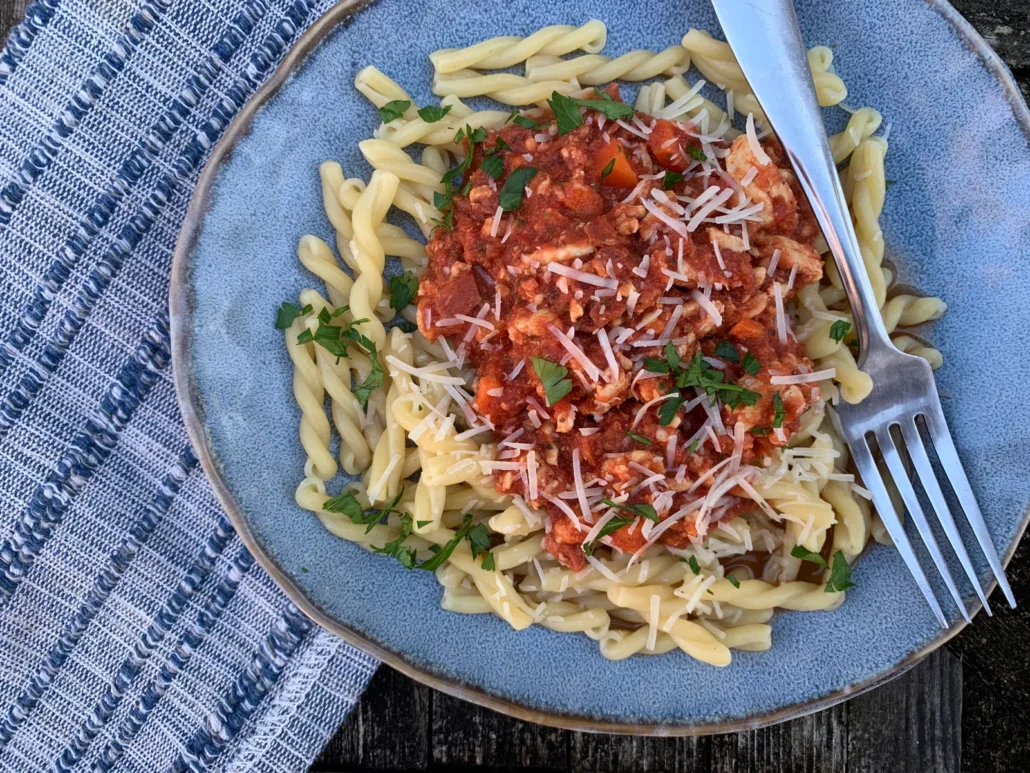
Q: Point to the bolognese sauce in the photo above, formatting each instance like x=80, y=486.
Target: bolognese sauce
x=619, y=289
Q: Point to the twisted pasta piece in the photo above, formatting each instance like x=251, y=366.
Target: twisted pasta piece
x=317, y=258
x=906, y=310
x=355, y=454
x=507, y=88
x=852, y=530
x=369, y=254
x=595, y=69
x=914, y=346
x=387, y=157
x=381, y=89
x=650, y=98
x=758, y=594
x=507, y=51
x=865, y=188
x=384, y=476
x=863, y=124
x=310, y=393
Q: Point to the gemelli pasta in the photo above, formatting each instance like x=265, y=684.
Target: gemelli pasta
x=600, y=397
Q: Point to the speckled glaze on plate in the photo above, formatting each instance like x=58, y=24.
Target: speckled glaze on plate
x=955, y=222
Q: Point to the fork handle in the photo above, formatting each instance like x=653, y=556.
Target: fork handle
x=766, y=40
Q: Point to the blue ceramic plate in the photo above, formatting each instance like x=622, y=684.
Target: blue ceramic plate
x=956, y=224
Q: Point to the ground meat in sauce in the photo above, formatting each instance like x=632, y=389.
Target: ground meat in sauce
x=596, y=261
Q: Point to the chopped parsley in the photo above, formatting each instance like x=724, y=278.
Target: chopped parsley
x=334, y=339
x=347, y=504
x=304, y=569
x=288, y=313
x=502, y=145
x=779, y=411
x=733, y=581
x=696, y=153
x=391, y=111
x=407, y=327
x=514, y=186
x=727, y=351
x=695, y=567
x=445, y=201
x=438, y=558
x=670, y=179
x=422, y=524
x=638, y=438
x=608, y=168
x=479, y=538
x=568, y=116
x=888, y=183
x=403, y=289
x=493, y=165
x=698, y=373
x=800, y=551
x=611, y=526
x=638, y=509
x=750, y=364
x=488, y=563
x=692, y=449
x=760, y=430
x=840, y=574
x=520, y=120
x=397, y=549
x=839, y=329
x=552, y=376
x=432, y=114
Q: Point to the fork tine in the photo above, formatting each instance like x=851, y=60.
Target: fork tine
x=945, y=448
x=881, y=500
x=917, y=453
x=892, y=457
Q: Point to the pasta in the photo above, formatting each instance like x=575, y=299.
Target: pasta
x=724, y=492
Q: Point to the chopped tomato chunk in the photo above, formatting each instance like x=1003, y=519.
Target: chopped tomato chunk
x=622, y=174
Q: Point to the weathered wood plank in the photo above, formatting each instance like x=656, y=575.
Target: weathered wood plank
x=1005, y=25
x=912, y=724
x=996, y=671
x=387, y=730
x=591, y=753
x=468, y=735
x=11, y=12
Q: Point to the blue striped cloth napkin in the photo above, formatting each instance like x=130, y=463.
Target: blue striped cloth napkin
x=136, y=631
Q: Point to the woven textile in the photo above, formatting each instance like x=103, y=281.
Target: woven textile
x=136, y=631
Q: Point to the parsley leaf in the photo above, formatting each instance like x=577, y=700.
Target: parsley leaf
x=432, y=114
x=607, y=106
x=696, y=153
x=887, y=184
x=670, y=179
x=397, y=549
x=750, y=364
x=672, y=355
x=566, y=113
x=525, y=123
x=346, y=504
x=475, y=136
x=552, y=376
x=422, y=524
x=434, y=563
x=391, y=111
x=800, y=551
x=493, y=166
x=779, y=411
x=693, y=564
x=608, y=168
x=613, y=525
x=287, y=313
x=488, y=563
x=638, y=438
x=839, y=329
x=638, y=509
x=727, y=351
x=502, y=145
x=514, y=186
x=403, y=289
x=667, y=410
x=840, y=574
x=479, y=538
x=760, y=430
x=693, y=446
x=374, y=380
x=733, y=581
x=655, y=365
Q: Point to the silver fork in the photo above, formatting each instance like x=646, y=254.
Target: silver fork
x=766, y=40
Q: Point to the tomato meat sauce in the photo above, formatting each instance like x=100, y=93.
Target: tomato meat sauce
x=623, y=313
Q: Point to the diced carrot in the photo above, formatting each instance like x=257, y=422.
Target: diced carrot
x=622, y=174
x=487, y=382
x=666, y=144
x=747, y=329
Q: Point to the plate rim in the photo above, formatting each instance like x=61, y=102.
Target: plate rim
x=190, y=406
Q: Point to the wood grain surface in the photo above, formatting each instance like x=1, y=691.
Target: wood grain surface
x=966, y=707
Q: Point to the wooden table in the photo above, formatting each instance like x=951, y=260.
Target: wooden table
x=965, y=707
